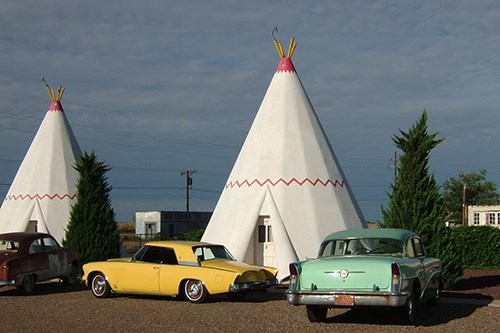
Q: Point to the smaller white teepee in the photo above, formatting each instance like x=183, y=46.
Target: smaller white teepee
x=44, y=188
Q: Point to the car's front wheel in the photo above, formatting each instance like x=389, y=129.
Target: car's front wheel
x=437, y=295
x=99, y=286
x=316, y=313
x=28, y=284
x=194, y=291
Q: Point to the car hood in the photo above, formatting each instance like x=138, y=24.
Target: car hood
x=251, y=272
x=120, y=259
x=347, y=273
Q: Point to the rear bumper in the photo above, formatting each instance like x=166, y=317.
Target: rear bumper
x=238, y=287
x=7, y=282
x=338, y=299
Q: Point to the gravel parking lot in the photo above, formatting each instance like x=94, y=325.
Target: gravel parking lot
x=54, y=307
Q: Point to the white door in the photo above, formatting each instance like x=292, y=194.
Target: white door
x=150, y=230
x=264, y=247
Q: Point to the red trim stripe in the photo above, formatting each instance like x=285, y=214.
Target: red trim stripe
x=41, y=197
x=294, y=180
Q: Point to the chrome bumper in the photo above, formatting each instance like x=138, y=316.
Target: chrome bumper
x=333, y=298
x=238, y=287
x=7, y=282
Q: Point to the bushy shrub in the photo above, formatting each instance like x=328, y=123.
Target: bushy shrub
x=194, y=235
x=479, y=246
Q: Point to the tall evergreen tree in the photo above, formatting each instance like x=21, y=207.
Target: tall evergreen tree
x=416, y=203
x=92, y=228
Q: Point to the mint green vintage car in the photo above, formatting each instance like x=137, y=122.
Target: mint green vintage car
x=366, y=268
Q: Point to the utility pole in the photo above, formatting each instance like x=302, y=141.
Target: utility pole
x=189, y=182
x=464, y=207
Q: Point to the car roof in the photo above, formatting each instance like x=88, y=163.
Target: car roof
x=179, y=244
x=400, y=234
x=183, y=249
x=22, y=236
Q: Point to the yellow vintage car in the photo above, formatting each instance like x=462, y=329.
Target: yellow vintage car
x=193, y=270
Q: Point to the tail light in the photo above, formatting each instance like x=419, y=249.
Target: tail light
x=396, y=277
x=293, y=276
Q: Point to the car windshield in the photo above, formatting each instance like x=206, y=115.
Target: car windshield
x=9, y=246
x=365, y=246
x=210, y=252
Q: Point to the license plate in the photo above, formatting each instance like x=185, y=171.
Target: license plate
x=345, y=300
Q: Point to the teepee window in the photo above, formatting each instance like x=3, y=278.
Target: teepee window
x=265, y=234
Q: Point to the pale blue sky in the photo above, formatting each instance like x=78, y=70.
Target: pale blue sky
x=158, y=87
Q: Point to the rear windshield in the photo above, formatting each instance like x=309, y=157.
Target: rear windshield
x=211, y=252
x=9, y=246
x=362, y=246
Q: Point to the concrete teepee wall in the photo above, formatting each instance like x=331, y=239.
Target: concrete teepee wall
x=44, y=188
x=286, y=191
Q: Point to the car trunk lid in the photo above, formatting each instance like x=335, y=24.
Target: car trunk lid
x=251, y=272
x=353, y=273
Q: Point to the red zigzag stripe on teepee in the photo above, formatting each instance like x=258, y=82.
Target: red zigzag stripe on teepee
x=41, y=197
x=287, y=183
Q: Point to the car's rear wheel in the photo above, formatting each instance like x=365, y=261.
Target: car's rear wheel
x=316, y=313
x=28, y=284
x=194, y=291
x=407, y=312
x=72, y=277
x=99, y=286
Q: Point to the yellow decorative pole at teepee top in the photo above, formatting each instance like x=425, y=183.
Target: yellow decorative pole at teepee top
x=53, y=97
x=279, y=46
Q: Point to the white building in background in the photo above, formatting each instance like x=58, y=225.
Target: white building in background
x=169, y=224
x=483, y=215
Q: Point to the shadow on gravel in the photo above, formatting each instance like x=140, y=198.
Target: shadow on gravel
x=250, y=297
x=44, y=288
x=467, y=295
x=426, y=316
x=477, y=282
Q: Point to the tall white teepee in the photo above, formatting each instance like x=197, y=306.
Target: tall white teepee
x=286, y=191
x=44, y=189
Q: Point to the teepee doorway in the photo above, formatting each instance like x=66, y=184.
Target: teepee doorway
x=32, y=226
x=264, y=246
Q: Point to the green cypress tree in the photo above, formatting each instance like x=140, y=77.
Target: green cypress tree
x=92, y=228
x=416, y=202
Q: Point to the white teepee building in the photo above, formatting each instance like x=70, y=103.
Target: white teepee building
x=44, y=189
x=286, y=191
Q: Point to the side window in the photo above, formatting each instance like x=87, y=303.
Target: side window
x=409, y=248
x=169, y=256
x=160, y=255
x=36, y=246
x=419, y=248
x=50, y=244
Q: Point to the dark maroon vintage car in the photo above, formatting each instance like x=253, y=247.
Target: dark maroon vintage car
x=30, y=257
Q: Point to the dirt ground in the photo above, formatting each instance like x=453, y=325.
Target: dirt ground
x=478, y=284
x=54, y=307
